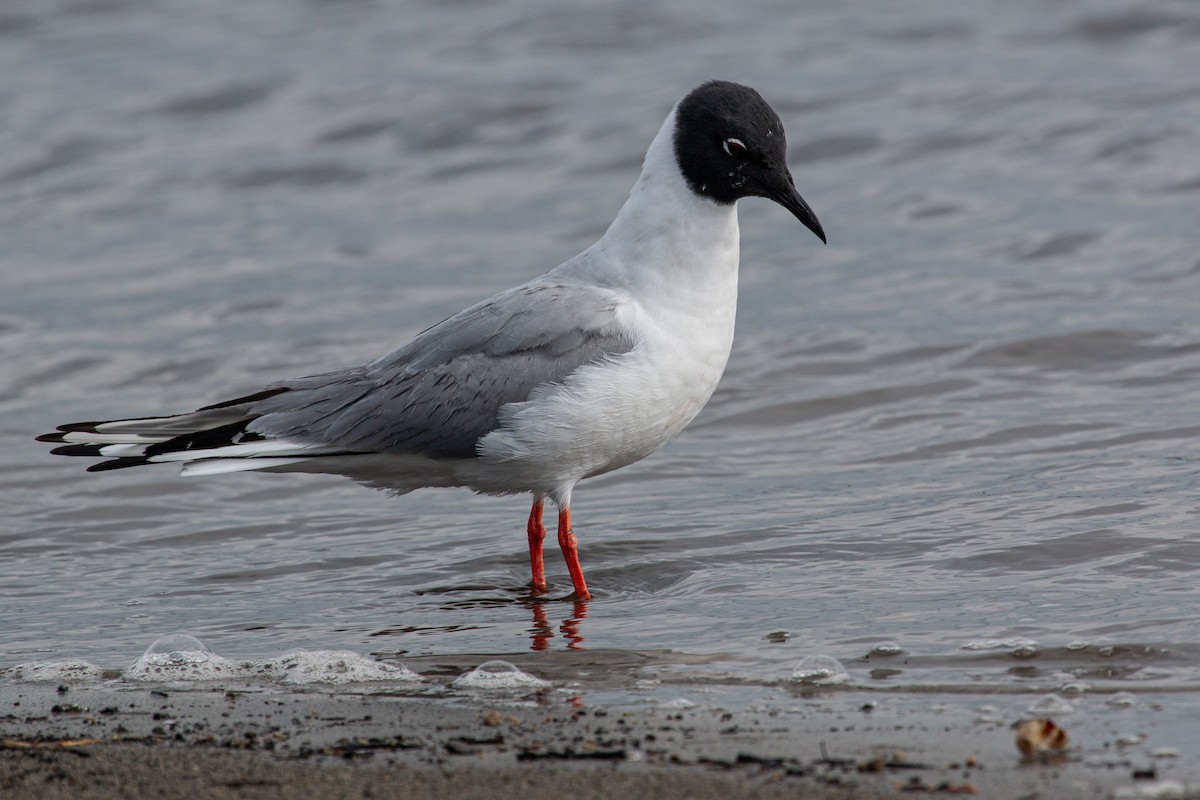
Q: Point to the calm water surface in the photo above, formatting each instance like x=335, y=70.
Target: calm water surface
x=968, y=426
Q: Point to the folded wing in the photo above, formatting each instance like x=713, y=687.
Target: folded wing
x=435, y=396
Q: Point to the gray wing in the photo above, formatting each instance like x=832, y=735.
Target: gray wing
x=441, y=392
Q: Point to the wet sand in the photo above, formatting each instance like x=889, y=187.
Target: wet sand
x=59, y=742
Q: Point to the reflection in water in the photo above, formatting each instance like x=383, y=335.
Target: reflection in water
x=540, y=633
x=570, y=625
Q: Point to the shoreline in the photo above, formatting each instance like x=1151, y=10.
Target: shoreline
x=142, y=741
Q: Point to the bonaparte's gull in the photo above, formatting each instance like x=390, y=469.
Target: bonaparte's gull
x=590, y=367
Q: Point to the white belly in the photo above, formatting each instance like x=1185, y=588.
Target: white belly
x=606, y=415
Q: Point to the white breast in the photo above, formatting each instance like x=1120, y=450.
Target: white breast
x=604, y=415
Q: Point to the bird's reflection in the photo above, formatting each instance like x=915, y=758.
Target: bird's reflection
x=541, y=632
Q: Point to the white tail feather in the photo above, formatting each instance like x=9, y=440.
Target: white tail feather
x=260, y=449
x=87, y=437
x=165, y=427
x=219, y=466
x=123, y=450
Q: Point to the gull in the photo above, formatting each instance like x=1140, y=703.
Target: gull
x=590, y=367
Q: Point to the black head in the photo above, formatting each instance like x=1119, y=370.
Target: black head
x=729, y=144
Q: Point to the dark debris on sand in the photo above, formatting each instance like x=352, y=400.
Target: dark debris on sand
x=133, y=743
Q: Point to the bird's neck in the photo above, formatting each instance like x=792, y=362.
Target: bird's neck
x=666, y=238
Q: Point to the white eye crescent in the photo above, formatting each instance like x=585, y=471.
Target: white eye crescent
x=734, y=147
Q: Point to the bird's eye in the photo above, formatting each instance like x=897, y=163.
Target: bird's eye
x=734, y=147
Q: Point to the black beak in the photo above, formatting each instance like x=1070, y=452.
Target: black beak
x=787, y=196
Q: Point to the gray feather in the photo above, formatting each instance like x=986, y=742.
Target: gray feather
x=440, y=393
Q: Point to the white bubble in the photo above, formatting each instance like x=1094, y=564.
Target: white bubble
x=988, y=715
x=497, y=675
x=885, y=649
x=177, y=649
x=1075, y=687
x=1121, y=700
x=1051, y=704
x=180, y=657
x=679, y=704
x=820, y=670
x=301, y=667
x=56, y=672
x=1017, y=646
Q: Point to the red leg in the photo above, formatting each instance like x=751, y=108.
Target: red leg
x=537, y=532
x=570, y=551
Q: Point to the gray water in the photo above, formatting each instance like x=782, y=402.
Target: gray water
x=967, y=426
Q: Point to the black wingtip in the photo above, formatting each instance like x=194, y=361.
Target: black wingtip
x=118, y=463
x=79, y=427
x=57, y=436
x=92, y=450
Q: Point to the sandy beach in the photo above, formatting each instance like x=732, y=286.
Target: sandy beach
x=145, y=742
